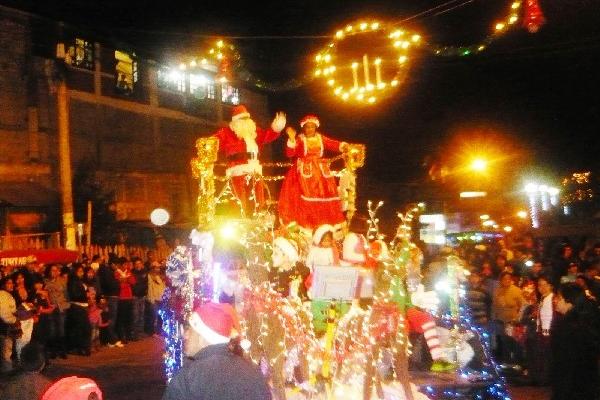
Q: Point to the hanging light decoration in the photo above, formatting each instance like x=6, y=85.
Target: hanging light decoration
x=378, y=69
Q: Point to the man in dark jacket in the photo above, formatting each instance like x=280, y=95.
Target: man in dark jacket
x=140, y=290
x=217, y=369
x=110, y=287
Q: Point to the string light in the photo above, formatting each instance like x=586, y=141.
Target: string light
x=362, y=82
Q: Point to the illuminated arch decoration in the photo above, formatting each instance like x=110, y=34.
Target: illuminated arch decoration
x=365, y=61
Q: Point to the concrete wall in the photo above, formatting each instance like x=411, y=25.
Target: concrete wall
x=140, y=142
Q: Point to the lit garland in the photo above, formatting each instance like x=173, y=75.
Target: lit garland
x=399, y=43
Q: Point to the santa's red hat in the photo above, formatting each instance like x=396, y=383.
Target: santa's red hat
x=73, y=388
x=354, y=248
x=310, y=118
x=216, y=323
x=239, y=112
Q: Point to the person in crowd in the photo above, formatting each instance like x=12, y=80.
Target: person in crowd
x=30, y=272
x=110, y=288
x=104, y=333
x=156, y=289
x=500, y=265
x=26, y=311
x=540, y=360
x=95, y=317
x=140, y=291
x=90, y=280
x=487, y=277
x=575, y=345
x=592, y=275
x=29, y=383
x=44, y=310
x=9, y=327
x=57, y=295
x=561, y=264
x=77, y=322
x=572, y=271
x=217, y=369
x=535, y=271
x=96, y=261
x=478, y=299
x=309, y=193
x=506, y=306
x=125, y=314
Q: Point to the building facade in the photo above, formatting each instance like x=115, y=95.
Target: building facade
x=133, y=120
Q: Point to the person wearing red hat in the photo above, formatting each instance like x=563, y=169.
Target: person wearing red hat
x=241, y=142
x=309, y=193
x=217, y=369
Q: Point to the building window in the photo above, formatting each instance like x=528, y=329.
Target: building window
x=126, y=72
x=202, y=86
x=81, y=54
x=230, y=95
x=171, y=79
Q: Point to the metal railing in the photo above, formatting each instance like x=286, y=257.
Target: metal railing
x=36, y=241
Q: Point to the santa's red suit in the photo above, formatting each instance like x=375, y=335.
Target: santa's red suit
x=309, y=194
x=242, y=155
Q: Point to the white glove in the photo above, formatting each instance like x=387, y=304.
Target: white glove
x=278, y=122
x=426, y=300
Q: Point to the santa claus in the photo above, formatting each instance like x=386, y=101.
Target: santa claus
x=241, y=142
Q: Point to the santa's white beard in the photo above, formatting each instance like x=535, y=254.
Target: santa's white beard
x=244, y=128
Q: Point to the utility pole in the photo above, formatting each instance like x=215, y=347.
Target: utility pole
x=64, y=163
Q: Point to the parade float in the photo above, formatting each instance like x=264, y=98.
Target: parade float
x=363, y=327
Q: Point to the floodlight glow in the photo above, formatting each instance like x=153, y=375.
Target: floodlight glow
x=479, y=164
x=522, y=214
x=531, y=187
x=466, y=195
x=228, y=231
x=508, y=229
x=489, y=222
x=484, y=217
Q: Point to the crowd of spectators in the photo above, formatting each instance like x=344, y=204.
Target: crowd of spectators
x=76, y=308
x=540, y=307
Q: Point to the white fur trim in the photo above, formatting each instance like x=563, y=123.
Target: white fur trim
x=240, y=116
x=203, y=330
x=320, y=231
x=314, y=120
x=251, y=167
x=291, y=143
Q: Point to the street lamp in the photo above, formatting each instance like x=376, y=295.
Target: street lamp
x=159, y=216
x=479, y=165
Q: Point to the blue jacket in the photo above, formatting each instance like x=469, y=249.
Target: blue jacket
x=217, y=374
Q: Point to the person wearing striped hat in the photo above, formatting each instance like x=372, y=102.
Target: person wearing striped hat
x=309, y=193
x=241, y=142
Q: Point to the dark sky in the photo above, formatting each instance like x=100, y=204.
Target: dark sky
x=535, y=94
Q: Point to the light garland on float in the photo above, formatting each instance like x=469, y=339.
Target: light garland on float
x=332, y=67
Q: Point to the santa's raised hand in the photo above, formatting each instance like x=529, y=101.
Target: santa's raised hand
x=278, y=122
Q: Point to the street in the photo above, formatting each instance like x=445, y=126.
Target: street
x=135, y=372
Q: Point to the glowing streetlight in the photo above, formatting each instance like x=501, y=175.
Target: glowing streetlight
x=479, y=165
x=484, y=217
x=522, y=214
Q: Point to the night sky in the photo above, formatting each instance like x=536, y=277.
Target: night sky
x=534, y=97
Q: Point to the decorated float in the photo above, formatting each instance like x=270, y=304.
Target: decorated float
x=322, y=323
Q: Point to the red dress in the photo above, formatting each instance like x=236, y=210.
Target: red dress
x=309, y=193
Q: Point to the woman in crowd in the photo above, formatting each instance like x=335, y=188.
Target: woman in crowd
x=56, y=286
x=26, y=312
x=575, y=344
x=8, y=323
x=77, y=322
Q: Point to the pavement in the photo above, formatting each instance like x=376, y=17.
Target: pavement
x=135, y=372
